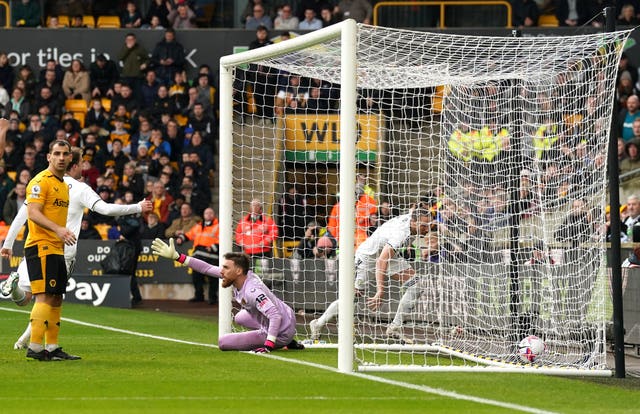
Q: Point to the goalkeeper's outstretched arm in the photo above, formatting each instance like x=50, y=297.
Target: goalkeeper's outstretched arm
x=169, y=251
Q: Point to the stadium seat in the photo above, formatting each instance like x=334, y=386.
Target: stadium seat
x=78, y=107
x=106, y=104
x=89, y=21
x=103, y=230
x=62, y=21
x=548, y=20
x=181, y=119
x=108, y=22
x=12, y=175
x=287, y=249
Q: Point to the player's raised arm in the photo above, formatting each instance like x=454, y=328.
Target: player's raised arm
x=4, y=127
x=169, y=251
x=18, y=221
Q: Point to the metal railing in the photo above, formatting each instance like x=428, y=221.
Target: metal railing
x=4, y=6
x=442, y=5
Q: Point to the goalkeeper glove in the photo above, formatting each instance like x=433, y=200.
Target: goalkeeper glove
x=266, y=348
x=162, y=249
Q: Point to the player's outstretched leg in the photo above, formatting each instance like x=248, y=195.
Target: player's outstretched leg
x=10, y=288
x=23, y=341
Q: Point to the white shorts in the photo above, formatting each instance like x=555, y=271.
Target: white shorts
x=23, y=281
x=366, y=270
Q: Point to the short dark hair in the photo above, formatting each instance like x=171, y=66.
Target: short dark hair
x=76, y=156
x=59, y=142
x=241, y=260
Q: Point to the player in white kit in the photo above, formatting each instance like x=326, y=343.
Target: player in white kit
x=377, y=257
x=81, y=196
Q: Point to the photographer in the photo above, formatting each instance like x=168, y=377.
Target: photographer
x=318, y=243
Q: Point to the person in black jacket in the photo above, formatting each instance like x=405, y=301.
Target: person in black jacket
x=167, y=57
x=103, y=73
x=129, y=227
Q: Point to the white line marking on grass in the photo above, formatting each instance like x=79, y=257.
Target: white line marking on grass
x=416, y=387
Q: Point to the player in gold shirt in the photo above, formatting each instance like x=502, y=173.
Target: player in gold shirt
x=47, y=204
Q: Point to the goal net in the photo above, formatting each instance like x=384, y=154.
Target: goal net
x=504, y=140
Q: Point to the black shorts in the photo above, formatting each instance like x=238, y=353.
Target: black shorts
x=48, y=274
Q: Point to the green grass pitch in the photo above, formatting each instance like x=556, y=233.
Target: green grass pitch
x=149, y=362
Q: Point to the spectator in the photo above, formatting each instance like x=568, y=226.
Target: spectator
x=53, y=65
x=206, y=94
x=162, y=104
x=327, y=17
x=248, y=10
x=48, y=99
x=152, y=228
x=256, y=232
x=178, y=91
x=525, y=13
x=49, y=81
x=76, y=83
x=198, y=199
x=317, y=243
x=129, y=227
x=159, y=9
x=632, y=160
x=25, y=74
x=157, y=145
x=204, y=153
x=26, y=13
x=88, y=231
x=168, y=57
x=131, y=18
x=202, y=122
x=182, y=224
x=627, y=116
x=90, y=173
x=578, y=13
x=384, y=213
x=6, y=72
x=258, y=18
x=625, y=88
x=628, y=16
x=120, y=135
x=15, y=200
x=161, y=201
x=154, y=24
x=128, y=99
x=77, y=22
x=149, y=89
x=576, y=227
x=131, y=181
x=206, y=239
x=291, y=97
x=103, y=73
x=54, y=23
x=96, y=114
x=135, y=59
x=19, y=104
x=182, y=17
x=310, y=22
x=286, y=19
x=358, y=10
x=292, y=214
x=174, y=137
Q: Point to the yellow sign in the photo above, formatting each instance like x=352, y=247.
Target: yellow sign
x=322, y=132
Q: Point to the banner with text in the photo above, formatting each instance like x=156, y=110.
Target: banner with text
x=311, y=138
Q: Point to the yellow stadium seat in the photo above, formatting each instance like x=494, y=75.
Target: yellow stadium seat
x=106, y=104
x=76, y=105
x=108, y=22
x=548, y=20
x=287, y=249
x=80, y=117
x=181, y=119
x=103, y=230
x=89, y=21
x=12, y=175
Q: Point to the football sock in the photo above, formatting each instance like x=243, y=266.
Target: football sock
x=53, y=329
x=40, y=315
x=329, y=314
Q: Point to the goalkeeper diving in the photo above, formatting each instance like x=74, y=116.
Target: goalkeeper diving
x=272, y=323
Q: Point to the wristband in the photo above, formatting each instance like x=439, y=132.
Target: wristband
x=269, y=344
x=181, y=258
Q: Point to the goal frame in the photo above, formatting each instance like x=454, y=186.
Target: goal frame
x=346, y=31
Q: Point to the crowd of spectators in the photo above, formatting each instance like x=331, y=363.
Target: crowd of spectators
x=148, y=130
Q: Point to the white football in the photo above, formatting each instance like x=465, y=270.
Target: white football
x=530, y=348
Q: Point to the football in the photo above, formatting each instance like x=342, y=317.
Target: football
x=530, y=348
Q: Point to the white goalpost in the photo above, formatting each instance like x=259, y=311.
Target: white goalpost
x=504, y=138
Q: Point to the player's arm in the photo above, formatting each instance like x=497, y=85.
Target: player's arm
x=36, y=214
x=265, y=306
x=14, y=229
x=4, y=127
x=169, y=251
x=110, y=209
x=382, y=264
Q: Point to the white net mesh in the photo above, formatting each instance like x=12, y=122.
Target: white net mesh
x=504, y=138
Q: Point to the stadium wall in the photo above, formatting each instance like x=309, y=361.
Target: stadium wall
x=202, y=46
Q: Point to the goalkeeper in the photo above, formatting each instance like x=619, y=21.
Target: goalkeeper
x=272, y=323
